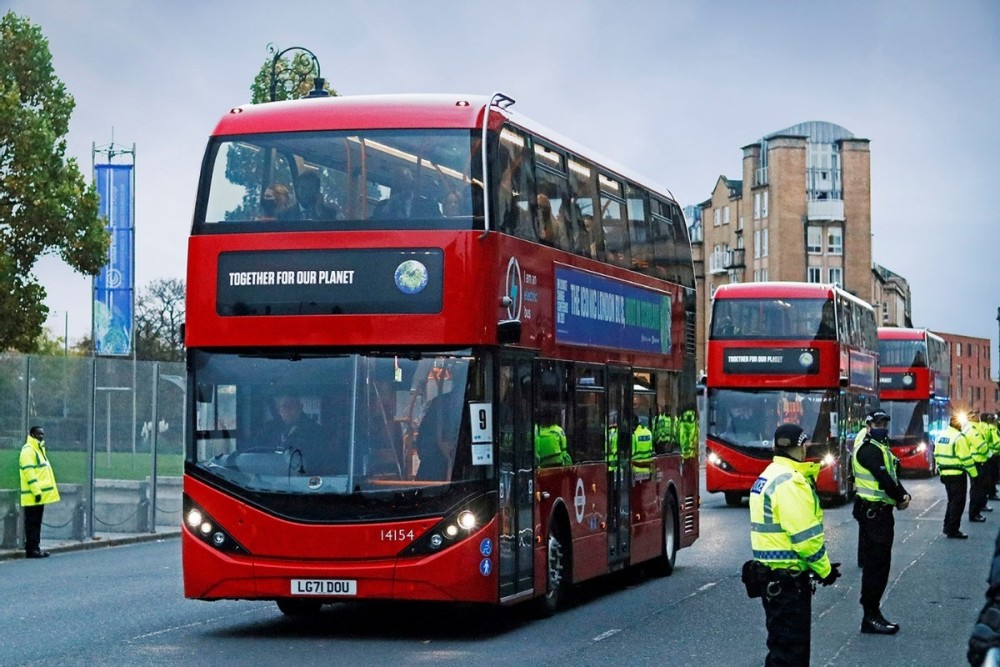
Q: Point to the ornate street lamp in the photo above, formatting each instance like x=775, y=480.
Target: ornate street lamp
x=318, y=82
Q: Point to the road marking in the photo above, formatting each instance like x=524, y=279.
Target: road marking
x=705, y=587
x=605, y=635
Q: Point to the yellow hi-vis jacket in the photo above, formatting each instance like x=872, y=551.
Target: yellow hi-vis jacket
x=37, y=478
x=864, y=481
x=786, y=521
x=977, y=446
x=642, y=449
x=550, y=447
x=951, y=453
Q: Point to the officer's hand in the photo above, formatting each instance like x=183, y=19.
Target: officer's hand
x=833, y=576
x=906, y=502
x=38, y=497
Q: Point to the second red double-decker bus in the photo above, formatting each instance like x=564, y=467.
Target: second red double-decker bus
x=435, y=353
x=914, y=369
x=786, y=352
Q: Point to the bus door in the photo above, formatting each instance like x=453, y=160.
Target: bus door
x=512, y=407
x=618, y=449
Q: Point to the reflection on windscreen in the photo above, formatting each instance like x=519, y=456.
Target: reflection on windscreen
x=337, y=424
x=333, y=180
x=797, y=319
x=749, y=418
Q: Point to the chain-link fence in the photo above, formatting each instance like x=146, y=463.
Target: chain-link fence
x=114, y=432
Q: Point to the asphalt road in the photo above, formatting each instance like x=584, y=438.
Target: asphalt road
x=124, y=605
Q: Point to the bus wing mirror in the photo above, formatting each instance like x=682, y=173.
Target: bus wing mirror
x=508, y=331
x=844, y=381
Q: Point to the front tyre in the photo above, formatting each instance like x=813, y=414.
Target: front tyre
x=557, y=577
x=734, y=498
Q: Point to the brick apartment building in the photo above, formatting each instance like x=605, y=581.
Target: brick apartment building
x=972, y=388
x=800, y=212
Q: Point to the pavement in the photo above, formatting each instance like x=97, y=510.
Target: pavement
x=99, y=540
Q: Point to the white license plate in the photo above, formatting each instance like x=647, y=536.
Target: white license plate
x=324, y=587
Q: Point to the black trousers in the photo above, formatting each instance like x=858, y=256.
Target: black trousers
x=993, y=474
x=788, y=614
x=978, y=492
x=33, y=527
x=876, y=530
x=955, y=486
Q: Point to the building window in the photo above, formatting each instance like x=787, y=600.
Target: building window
x=835, y=241
x=763, y=205
x=814, y=274
x=958, y=353
x=837, y=276
x=741, y=223
x=717, y=214
x=814, y=240
x=756, y=244
x=756, y=206
x=764, y=238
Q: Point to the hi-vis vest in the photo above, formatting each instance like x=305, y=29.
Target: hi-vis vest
x=37, y=478
x=951, y=453
x=786, y=521
x=977, y=446
x=550, y=447
x=612, y=451
x=865, y=483
x=642, y=448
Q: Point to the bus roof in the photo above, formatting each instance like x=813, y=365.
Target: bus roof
x=904, y=333
x=372, y=112
x=787, y=289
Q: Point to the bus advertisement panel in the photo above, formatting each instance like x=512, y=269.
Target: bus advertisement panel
x=914, y=369
x=784, y=352
x=434, y=354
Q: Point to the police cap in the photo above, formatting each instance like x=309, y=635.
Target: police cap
x=789, y=435
x=876, y=416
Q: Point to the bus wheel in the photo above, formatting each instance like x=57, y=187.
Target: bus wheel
x=299, y=607
x=664, y=564
x=557, y=580
x=734, y=498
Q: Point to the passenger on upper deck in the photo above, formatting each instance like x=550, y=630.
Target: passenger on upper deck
x=404, y=201
x=274, y=201
x=310, y=203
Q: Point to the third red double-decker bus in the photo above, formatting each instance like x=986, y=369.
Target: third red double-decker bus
x=786, y=352
x=435, y=352
x=914, y=369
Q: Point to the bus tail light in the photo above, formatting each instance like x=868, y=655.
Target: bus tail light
x=206, y=529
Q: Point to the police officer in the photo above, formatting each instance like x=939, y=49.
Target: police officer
x=786, y=535
x=876, y=479
x=642, y=446
x=954, y=462
x=979, y=450
x=38, y=489
x=550, y=442
x=859, y=439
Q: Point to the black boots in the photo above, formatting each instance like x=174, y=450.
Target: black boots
x=36, y=553
x=876, y=624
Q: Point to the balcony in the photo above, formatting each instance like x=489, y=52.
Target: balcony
x=734, y=259
x=826, y=209
x=716, y=263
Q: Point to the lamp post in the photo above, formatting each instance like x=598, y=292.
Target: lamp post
x=318, y=82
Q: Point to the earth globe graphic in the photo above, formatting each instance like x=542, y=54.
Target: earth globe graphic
x=411, y=277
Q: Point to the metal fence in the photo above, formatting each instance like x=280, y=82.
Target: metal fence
x=114, y=432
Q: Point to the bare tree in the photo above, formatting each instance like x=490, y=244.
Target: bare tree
x=159, y=315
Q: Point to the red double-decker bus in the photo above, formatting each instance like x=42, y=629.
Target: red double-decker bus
x=423, y=335
x=786, y=352
x=914, y=370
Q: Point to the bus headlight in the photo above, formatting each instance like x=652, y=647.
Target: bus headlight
x=466, y=520
x=714, y=459
x=208, y=530
x=454, y=528
x=828, y=460
x=922, y=447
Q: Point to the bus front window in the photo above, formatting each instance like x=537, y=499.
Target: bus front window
x=358, y=426
x=747, y=418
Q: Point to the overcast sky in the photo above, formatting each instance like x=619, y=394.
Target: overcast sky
x=671, y=89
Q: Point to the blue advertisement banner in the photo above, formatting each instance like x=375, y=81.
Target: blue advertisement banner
x=597, y=311
x=114, y=286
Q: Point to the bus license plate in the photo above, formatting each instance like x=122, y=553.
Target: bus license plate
x=324, y=587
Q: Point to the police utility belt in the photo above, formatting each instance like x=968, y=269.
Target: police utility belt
x=761, y=580
x=870, y=508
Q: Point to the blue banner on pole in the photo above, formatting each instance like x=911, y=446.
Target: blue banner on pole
x=114, y=287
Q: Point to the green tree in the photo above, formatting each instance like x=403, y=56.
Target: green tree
x=45, y=205
x=159, y=314
x=294, y=72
